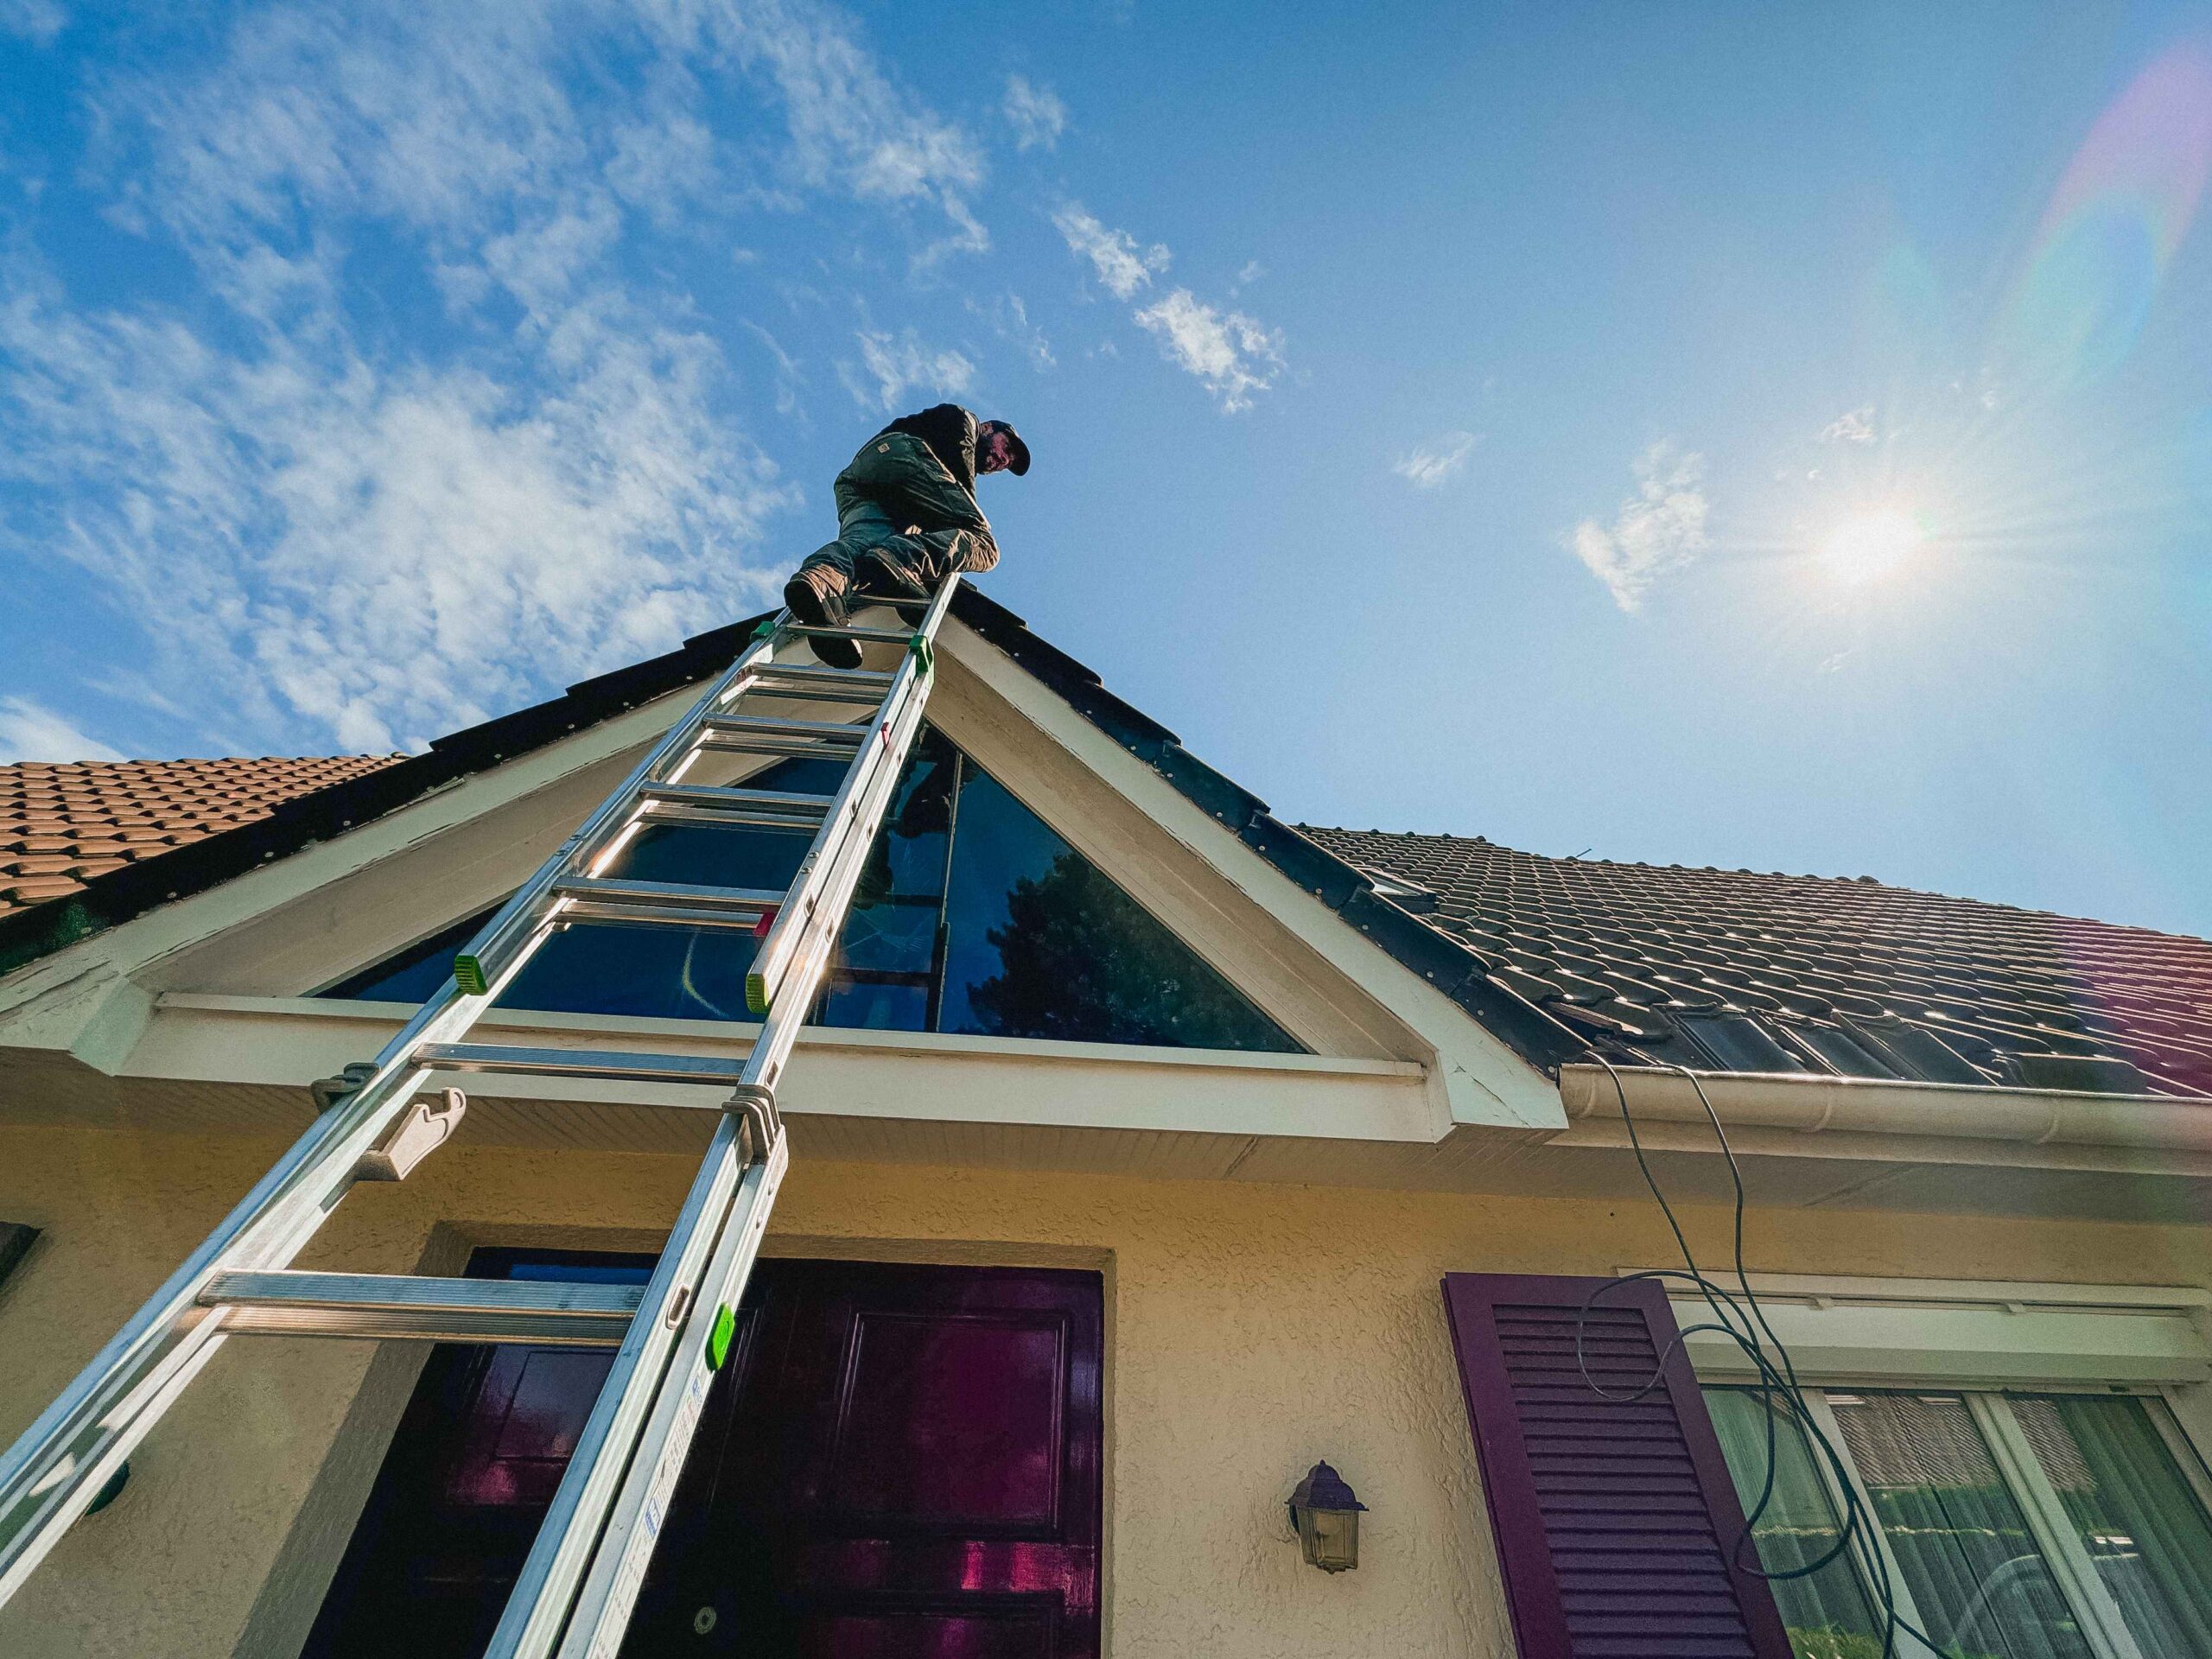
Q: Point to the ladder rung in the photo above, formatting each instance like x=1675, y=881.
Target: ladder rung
x=765, y=734
x=827, y=684
x=630, y=915
x=731, y=809
x=774, y=688
x=789, y=804
x=287, y=1302
x=830, y=732
x=616, y=1064
x=900, y=636
x=721, y=818
x=752, y=902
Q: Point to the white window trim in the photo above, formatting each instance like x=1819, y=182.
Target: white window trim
x=2040, y=1507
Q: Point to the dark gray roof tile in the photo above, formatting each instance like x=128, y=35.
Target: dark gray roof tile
x=1948, y=988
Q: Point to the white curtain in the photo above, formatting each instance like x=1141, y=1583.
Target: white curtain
x=1980, y=1583
x=2135, y=1513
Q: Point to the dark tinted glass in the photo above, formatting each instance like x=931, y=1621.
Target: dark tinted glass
x=884, y=977
x=972, y=916
x=413, y=974
x=1040, y=944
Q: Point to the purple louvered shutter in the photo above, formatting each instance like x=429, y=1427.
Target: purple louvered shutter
x=1614, y=1521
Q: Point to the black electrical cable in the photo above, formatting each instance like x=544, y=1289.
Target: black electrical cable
x=1780, y=1393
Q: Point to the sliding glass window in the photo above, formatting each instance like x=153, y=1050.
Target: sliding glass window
x=2010, y=1526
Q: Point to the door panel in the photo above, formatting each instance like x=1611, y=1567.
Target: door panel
x=897, y=1460
x=951, y=1422
x=1014, y=1631
x=907, y=1463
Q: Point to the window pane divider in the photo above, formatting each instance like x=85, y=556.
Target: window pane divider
x=1824, y=1417
x=2186, y=1455
x=2102, y=1627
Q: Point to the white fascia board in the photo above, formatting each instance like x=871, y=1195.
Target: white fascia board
x=93, y=998
x=1484, y=1082
x=278, y=1041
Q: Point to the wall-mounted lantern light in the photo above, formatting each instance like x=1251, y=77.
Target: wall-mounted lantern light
x=1326, y=1515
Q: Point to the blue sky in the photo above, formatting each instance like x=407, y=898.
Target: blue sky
x=1777, y=438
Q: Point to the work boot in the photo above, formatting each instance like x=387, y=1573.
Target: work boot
x=820, y=610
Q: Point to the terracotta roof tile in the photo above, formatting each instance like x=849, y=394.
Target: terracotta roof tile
x=63, y=825
x=1717, y=968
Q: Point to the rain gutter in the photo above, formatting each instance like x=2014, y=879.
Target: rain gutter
x=1816, y=1105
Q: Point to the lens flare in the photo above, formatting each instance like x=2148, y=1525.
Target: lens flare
x=2114, y=223
x=1870, y=545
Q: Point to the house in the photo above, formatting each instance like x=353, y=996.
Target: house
x=1148, y=1152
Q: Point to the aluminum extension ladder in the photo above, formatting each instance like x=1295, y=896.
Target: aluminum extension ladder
x=578, y=1585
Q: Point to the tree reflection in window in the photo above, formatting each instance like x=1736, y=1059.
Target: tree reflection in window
x=972, y=915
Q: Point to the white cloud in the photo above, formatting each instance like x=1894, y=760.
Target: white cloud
x=1658, y=530
x=661, y=163
x=1232, y=353
x=386, y=554
x=1428, y=465
x=851, y=128
x=1009, y=319
x=1121, y=264
x=30, y=731
x=36, y=20
x=326, y=531
x=1853, y=426
x=444, y=118
x=891, y=368
x=1035, y=113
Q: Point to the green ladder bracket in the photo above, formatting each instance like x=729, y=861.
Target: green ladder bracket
x=765, y=629
x=468, y=974
x=718, y=1339
x=923, y=651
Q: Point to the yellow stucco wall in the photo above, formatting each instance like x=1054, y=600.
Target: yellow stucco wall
x=1251, y=1330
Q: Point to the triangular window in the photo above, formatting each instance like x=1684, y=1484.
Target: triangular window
x=973, y=915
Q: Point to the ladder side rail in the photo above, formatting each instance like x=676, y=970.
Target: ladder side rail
x=58, y=1463
x=51, y=1474
x=557, y=1556
x=569, y=1539
x=771, y=962
x=617, y=1565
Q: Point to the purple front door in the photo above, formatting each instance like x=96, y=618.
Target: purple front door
x=896, y=1460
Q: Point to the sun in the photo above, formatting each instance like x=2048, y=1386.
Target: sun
x=1869, y=545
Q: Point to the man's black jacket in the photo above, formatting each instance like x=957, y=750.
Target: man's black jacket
x=950, y=432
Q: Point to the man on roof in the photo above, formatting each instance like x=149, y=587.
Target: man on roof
x=906, y=518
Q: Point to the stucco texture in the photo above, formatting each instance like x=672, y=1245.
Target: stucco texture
x=1251, y=1330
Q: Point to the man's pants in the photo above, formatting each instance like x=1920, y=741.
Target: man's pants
x=894, y=488
x=871, y=557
